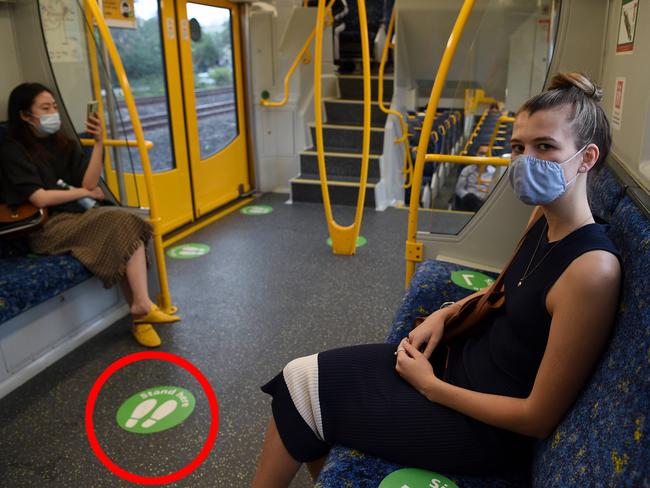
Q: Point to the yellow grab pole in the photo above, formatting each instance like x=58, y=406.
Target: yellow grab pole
x=303, y=55
x=414, y=248
x=165, y=298
x=97, y=88
x=344, y=239
x=408, y=160
x=116, y=143
x=456, y=159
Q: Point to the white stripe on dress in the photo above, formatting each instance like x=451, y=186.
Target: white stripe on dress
x=301, y=377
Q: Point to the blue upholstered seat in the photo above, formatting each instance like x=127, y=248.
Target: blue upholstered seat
x=602, y=441
x=29, y=280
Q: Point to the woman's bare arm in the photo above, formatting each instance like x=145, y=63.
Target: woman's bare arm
x=583, y=305
x=94, y=170
x=42, y=198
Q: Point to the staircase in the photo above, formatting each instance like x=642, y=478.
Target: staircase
x=343, y=129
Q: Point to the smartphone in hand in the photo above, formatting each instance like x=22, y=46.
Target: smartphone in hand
x=91, y=108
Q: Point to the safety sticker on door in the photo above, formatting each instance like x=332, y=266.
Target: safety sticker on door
x=155, y=409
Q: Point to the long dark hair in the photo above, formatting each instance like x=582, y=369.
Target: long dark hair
x=21, y=100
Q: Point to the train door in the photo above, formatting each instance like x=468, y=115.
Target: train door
x=183, y=62
x=214, y=117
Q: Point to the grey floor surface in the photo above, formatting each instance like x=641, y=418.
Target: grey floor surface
x=270, y=290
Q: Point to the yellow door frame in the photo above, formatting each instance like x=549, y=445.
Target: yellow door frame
x=223, y=176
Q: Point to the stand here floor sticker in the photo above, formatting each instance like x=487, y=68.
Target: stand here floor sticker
x=416, y=478
x=188, y=251
x=155, y=409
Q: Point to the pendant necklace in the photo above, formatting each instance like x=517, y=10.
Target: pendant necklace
x=526, y=273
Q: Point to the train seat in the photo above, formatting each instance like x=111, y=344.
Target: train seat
x=602, y=440
x=26, y=281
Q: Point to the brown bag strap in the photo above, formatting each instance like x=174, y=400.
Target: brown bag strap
x=496, y=288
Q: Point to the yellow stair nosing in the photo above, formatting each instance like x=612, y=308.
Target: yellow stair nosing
x=372, y=77
x=341, y=154
x=347, y=100
x=350, y=127
x=331, y=182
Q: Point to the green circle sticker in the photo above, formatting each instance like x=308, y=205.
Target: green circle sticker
x=188, y=251
x=472, y=280
x=416, y=478
x=257, y=210
x=361, y=241
x=155, y=409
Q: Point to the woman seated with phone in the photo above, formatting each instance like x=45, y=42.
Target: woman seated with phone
x=43, y=166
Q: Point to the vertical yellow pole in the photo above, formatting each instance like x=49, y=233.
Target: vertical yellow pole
x=344, y=239
x=413, y=248
x=165, y=298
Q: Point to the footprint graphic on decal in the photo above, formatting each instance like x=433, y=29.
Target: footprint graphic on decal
x=160, y=413
x=140, y=411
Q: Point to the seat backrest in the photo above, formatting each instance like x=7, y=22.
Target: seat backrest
x=603, y=439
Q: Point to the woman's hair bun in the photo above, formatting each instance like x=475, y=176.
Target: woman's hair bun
x=566, y=81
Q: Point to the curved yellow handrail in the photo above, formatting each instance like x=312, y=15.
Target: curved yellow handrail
x=414, y=248
x=407, y=169
x=303, y=55
x=501, y=120
x=344, y=239
x=92, y=12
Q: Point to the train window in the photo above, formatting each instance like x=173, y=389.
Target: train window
x=502, y=59
x=213, y=73
x=143, y=58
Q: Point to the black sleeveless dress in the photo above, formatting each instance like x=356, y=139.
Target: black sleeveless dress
x=353, y=396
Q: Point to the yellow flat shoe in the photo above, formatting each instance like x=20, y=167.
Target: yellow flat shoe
x=146, y=335
x=156, y=316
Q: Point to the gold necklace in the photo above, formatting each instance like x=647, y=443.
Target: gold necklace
x=526, y=273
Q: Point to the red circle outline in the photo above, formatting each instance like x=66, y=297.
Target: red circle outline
x=149, y=480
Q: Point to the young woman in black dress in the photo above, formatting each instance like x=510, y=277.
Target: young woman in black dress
x=509, y=382
x=109, y=241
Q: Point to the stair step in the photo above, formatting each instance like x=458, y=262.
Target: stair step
x=339, y=165
x=307, y=188
x=348, y=138
x=350, y=112
x=351, y=87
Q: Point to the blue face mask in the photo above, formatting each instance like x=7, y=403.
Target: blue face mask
x=538, y=181
x=48, y=123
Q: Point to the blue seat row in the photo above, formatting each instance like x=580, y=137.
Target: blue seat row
x=603, y=440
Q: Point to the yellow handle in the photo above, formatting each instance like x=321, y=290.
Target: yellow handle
x=427, y=125
x=116, y=143
x=344, y=239
x=92, y=12
x=302, y=56
x=407, y=170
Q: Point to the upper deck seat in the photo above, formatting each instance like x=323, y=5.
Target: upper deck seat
x=603, y=439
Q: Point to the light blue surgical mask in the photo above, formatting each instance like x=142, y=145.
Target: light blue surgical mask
x=48, y=123
x=538, y=181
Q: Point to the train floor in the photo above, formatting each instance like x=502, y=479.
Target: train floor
x=268, y=291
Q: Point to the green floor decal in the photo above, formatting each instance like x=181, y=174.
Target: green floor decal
x=155, y=409
x=472, y=280
x=416, y=478
x=257, y=210
x=361, y=241
x=188, y=251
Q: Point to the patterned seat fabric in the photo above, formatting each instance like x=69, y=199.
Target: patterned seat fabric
x=27, y=281
x=603, y=439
